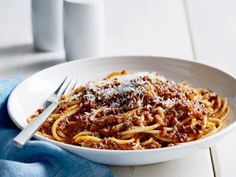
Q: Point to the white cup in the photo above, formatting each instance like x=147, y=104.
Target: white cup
x=83, y=28
x=47, y=24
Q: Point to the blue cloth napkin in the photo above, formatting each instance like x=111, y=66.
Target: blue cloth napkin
x=37, y=158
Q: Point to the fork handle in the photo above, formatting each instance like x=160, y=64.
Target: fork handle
x=25, y=135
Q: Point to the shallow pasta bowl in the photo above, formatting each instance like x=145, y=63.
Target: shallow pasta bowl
x=32, y=93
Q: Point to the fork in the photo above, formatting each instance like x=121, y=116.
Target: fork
x=24, y=136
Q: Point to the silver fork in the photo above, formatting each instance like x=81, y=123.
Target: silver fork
x=24, y=136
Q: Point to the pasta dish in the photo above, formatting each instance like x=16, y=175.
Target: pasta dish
x=142, y=110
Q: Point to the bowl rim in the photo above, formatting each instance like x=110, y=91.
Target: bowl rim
x=157, y=150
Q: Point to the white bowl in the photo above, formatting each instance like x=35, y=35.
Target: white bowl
x=32, y=92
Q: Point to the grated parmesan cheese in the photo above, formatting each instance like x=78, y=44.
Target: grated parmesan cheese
x=118, y=89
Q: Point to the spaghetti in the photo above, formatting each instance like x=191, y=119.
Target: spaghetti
x=134, y=111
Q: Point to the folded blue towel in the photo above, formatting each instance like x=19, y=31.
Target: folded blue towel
x=37, y=158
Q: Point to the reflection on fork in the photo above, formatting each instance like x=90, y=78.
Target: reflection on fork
x=24, y=136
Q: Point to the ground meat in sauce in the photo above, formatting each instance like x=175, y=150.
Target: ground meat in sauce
x=120, y=97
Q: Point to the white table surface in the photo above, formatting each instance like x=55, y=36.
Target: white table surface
x=201, y=30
